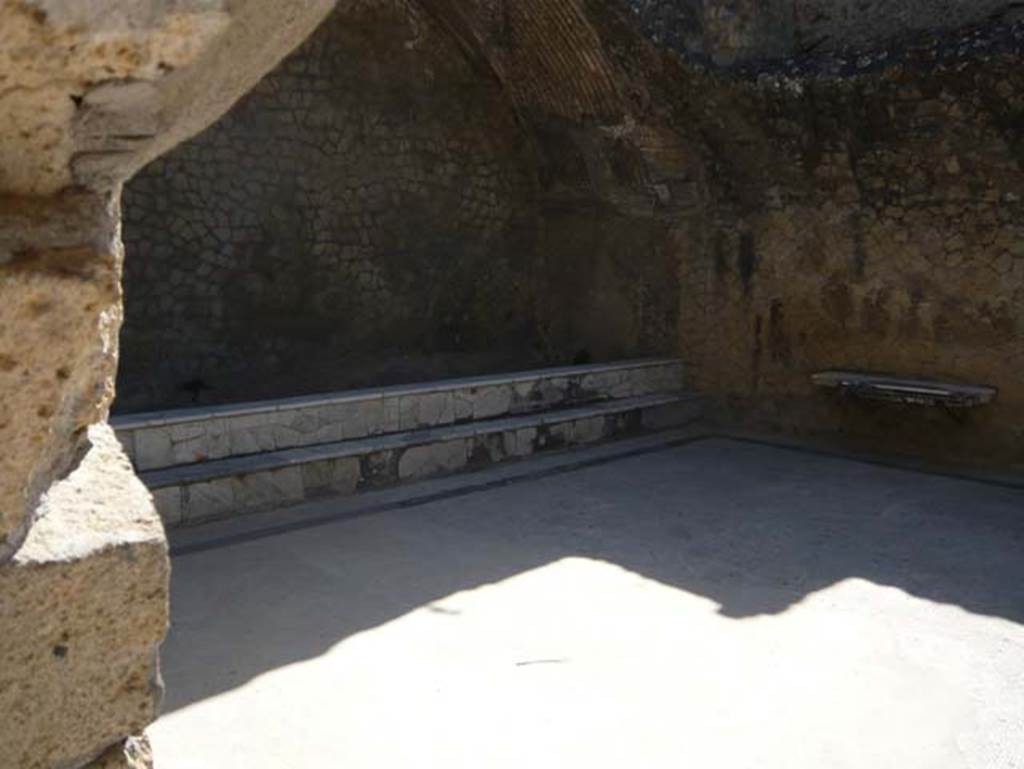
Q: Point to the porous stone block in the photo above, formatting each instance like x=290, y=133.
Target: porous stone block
x=83, y=609
x=59, y=317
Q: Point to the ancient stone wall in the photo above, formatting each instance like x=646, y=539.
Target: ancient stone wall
x=366, y=202
x=736, y=31
x=857, y=205
x=872, y=221
x=850, y=209
x=374, y=211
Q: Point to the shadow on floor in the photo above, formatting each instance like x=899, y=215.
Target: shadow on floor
x=753, y=528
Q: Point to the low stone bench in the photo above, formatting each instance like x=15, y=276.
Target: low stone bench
x=220, y=461
x=185, y=436
x=918, y=392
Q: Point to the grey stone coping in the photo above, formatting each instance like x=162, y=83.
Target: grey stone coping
x=925, y=392
x=273, y=460
x=198, y=414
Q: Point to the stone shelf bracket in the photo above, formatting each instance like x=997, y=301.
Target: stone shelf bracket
x=911, y=392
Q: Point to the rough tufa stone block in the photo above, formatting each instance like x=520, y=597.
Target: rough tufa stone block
x=59, y=307
x=87, y=595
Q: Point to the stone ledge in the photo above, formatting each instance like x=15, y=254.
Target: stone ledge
x=59, y=314
x=209, y=435
x=201, y=413
x=190, y=495
x=87, y=592
x=291, y=457
x=909, y=391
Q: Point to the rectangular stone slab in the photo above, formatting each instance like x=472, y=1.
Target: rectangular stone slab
x=83, y=609
x=923, y=392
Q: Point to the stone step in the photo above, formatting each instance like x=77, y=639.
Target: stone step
x=196, y=435
x=220, y=488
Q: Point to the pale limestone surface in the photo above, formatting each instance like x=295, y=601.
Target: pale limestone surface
x=83, y=607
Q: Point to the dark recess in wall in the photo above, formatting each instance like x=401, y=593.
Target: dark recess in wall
x=375, y=212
